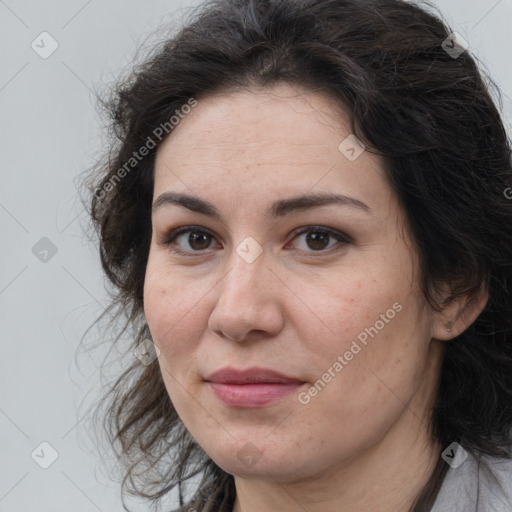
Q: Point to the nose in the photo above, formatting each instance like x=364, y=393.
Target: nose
x=248, y=303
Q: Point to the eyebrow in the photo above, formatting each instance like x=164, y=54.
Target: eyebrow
x=278, y=209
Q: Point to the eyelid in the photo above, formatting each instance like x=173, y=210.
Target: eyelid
x=170, y=236
x=341, y=237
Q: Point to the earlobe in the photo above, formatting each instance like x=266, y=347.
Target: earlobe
x=459, y=314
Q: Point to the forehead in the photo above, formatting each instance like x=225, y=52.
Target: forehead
x=245, y=121
x=282, y=139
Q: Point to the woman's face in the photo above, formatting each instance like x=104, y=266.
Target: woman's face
x=323, y=292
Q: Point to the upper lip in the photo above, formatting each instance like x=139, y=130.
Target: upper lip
x=249, y=376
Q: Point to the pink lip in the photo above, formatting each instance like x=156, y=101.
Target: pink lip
x=255, y=387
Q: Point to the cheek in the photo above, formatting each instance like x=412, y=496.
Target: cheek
x=363, y=393
x=375, y=326
x=175, y=329
x=345, y=308
x=171, y=312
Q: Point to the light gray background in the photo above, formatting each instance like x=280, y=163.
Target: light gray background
x=50, y=133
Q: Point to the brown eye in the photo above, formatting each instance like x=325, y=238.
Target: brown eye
x=318, y=239
x=197, y=240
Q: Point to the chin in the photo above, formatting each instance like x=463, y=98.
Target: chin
x=246, y=461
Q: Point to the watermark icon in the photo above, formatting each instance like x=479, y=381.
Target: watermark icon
x=146, y=352
x=44, y=45
x=44, y=250
x=158, y=133
x=304, y=397
x=44, y=455
x=454, y=45
x=249, y=454
x=351, y=147
x=249, y=249
x=508, y=193
x=454, y=455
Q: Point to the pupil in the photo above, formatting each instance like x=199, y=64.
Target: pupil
x=195, y=237
x=318, y=237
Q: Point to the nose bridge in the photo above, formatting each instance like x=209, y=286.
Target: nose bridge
x=247, y=268
x=244, y=301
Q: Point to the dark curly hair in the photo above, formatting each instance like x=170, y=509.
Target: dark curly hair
x=427, y=112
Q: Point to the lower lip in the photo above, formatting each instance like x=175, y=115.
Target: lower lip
x=253, y=395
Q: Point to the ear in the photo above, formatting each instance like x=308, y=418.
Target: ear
x=459, y=314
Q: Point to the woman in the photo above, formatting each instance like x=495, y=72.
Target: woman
x=306, y=220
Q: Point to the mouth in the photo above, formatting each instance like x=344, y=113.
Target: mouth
x=252, y=388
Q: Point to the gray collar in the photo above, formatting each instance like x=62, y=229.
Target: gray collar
x=468, y=488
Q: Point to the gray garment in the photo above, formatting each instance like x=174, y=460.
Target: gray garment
x=468, y=488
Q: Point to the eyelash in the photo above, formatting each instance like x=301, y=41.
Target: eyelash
x=172, y=235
